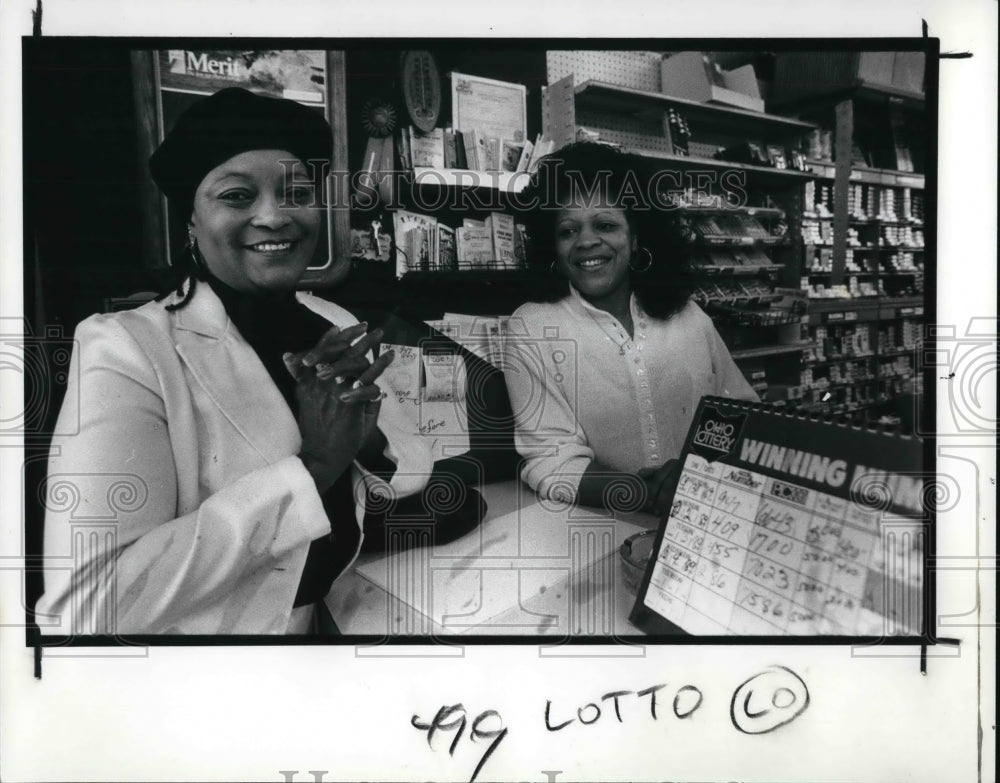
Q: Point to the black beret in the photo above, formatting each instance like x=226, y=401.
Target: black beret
x=225, y=124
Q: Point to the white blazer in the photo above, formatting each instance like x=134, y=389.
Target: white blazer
x=176, y=503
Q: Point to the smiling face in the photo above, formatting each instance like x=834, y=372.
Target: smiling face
x=254, y=224
x=594, y=244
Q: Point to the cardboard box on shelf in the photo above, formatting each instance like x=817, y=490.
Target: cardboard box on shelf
x=695, y=76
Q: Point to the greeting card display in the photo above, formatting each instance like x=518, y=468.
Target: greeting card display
x=781, y=525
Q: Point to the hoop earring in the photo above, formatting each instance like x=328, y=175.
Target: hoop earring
x=649, y=260
x=192, y=248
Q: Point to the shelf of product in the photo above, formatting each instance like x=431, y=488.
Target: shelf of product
x=750, y=303
x=884, y=244
x=714, y=166
x=708, y=138
x=901, y=307
x=826, y=361
x=826, y=169
x=425, y=243
x=735, y=262
x=771, y=350
x=732, y=229
x=861, y=365
x=872, y=310
x=719, y=208
x=609, y=97
x=505, y=181
x=491, y=272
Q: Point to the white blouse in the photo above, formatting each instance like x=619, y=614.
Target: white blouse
x=581, y=389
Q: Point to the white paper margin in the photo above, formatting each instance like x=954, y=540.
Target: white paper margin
x=248, y=713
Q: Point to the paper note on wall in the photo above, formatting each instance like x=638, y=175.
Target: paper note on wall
x=438, y=410
x=402, y=378
x=446, y=423
x=445, y=377
x=442, y=410
x=481, y=335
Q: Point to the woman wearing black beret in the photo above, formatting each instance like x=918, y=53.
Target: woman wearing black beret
x=245, y=416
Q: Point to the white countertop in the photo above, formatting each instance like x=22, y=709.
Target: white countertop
x=530, y=568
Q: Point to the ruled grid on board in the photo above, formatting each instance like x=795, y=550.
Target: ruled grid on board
x=749, y=554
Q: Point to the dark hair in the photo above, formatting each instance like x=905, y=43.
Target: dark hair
x=586, y=168
x=186, y=268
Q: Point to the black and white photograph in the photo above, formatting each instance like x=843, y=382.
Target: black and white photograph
x=496, y=407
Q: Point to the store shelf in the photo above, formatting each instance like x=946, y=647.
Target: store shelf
x=770, y=350
x=898, y=179
x=864, y=309
x=865, y=273
x=609, y=97
x=705, y=243
x=824, y=169
x=737, y=271
x=840, y=384
x=873, y=92
x=759, y=212
x=887, y=249
x=732, y=316
x=835, y=408
x=856, y=222
x=831, y=304
x=847, y=273
x=842, y=359
x=684, y=162
x=897, y=352
x=504, y=181
x=861, y=303
x=902, y=307
x=878, y=260
x=459, y=275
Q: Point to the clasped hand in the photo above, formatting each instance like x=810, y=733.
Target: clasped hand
x=338, y=401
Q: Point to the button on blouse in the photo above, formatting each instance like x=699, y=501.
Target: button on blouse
x=626, y=402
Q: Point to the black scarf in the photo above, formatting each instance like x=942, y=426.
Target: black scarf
x=274, y=323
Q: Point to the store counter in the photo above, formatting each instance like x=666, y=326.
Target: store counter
x=531, y=568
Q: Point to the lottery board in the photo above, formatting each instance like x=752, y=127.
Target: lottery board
x=781, y=525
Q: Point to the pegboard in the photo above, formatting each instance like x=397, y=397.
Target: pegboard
x=634, y=133
x=636, y=70
x=698, y=150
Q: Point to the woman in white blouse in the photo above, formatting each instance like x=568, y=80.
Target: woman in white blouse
x=606, y=367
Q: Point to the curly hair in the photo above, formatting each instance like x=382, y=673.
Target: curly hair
x=590, y=168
